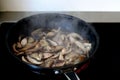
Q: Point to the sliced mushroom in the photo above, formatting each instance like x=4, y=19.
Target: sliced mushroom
x=48, y=62
x=52, y=43
x=59, y=63
x=24, y=59
x=28, y=46
x=20, y=53
x=62, y=53
x=80, y=45
x=43, y=43
x=33, y=61
x=14, y=48
x=51, y=34
x=30, y=40
x=63, y=37
x=34, y=49
x=65, y=51
x=57, y=48
x=36, y=56
x=87, y=46
x=76, y=36
x=47, y=55
x=61, y=57
x=71, y=57
x=18, y=45
x=72, y=40
x=76, y=61
x=24, y=42
x=55, y=55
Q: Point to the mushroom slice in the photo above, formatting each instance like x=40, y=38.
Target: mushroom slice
x=30, y=40
x=76, y=61
x=72, y=40
x=59, y=63
x=71, y=57
x=49, y=62
x=55, y=55
x=63, y=37
x=47, y=55
x=66, y=51
x=14, y=48
x=24, y=42
x=61, y=57
x=63, y=52
x=33, y=61
x=57, y=48
x=36, y=56
x=34, y=49
x=18, y=45
x=76, y=36
x=40, y=55
x=43, y=43
x=24, y=59
x=87, y=46
x=28, y=46
x=80, y=45
x=52, y=43
x=19, y=53
x=51, y=34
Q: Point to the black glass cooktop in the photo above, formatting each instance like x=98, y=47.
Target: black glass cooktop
x=105, y=61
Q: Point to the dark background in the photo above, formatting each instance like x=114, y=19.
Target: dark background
x=105, y=64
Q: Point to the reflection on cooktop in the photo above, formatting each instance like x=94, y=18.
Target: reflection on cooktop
x=108, y=33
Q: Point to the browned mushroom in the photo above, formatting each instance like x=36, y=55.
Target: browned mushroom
x=51, y=34
x=59, y=63
x=28, y=46
x=55, y=55
x=24, y=42
x=30, y=40
x=76, y=36
x=47, y=55
x=52, y=43
x=34, y=49
x=36, y=56
x=18, y=45
x=48, y=62
x=20, y=53
x=57, y=48
x=33, y=61
x=14, y=48
x=24, y=59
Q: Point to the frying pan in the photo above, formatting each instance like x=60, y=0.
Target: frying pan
x=53, y=20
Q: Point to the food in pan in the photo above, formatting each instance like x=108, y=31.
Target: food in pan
x=52, y=48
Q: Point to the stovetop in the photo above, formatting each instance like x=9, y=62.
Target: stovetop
x=97, y=69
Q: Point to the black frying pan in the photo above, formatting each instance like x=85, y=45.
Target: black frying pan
x=53, y=20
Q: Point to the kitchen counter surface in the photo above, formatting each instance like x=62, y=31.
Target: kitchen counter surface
x=87, y=16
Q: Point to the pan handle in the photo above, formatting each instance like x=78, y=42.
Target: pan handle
x=71, y=76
